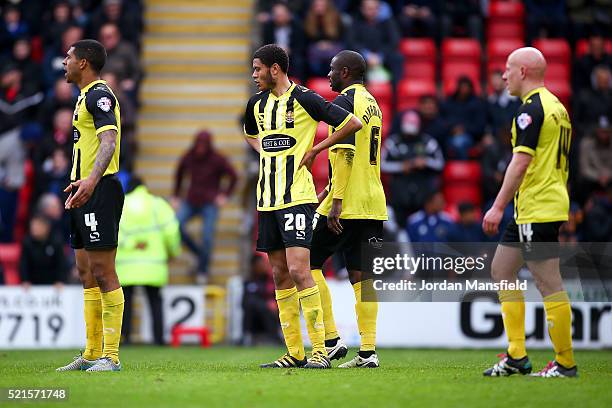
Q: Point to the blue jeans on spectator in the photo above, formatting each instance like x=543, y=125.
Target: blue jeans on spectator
x=209, y=213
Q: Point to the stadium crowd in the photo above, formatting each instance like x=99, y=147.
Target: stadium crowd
x=434, y=67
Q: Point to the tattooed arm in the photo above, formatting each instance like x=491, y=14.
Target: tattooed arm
x=108, y=143
x=86, y=186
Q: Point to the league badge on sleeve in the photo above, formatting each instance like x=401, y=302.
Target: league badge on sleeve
x=104, y=103
x=523, y=120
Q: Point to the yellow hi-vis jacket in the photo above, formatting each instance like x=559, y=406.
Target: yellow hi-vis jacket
x=148, y=236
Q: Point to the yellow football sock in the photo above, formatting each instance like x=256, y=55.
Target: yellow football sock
x=313, y=315
x=366, y=308
x=559, y=319
x=112, y=317
x=326, y=303
x=289, y=316
x=513, y=314
x=93, y=323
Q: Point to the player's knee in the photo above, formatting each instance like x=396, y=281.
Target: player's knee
x=84, y=273
x=99, y=271
x=299, y=274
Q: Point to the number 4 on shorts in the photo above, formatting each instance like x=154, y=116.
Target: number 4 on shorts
x=90, y=221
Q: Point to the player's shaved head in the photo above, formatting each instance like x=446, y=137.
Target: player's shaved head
x=354, y=62
x=525, y=70
x=532, y=59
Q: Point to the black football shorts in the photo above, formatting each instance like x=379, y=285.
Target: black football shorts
x=289, y=227
x=537, y=241
x=95, y=225
x=356, y=235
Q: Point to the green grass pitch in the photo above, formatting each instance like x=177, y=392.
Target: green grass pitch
x=230, y=377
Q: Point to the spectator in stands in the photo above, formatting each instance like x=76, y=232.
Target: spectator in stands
x=212, y=180
x=431, y=122
x=287, y=32
x=597, y=219
x=263, y=8
x=584, y=66
x=121, y=59
x=258, y=303
x=58, y=21
x=495, y=158
x=414, y=160
x=12, y=27
x=431, y=224
x=501, y=106
x=595, y=160
x=418, y=18
x=461, y=18
x=54, y=174
x=58, y=136
x=545, y=18
x=468, y=228
x=18, y=102
x=53, y=68
x=324, y=29
x=51, y=206
x=62, y=96
x=596, y=102
x=148, y=237
x=118, y=12
x=22, y=57
x=42, y=261
x=377, y=40
x=464, y=112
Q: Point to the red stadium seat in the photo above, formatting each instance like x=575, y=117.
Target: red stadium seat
x=409, y=92
x=453, y=70
x=561, y=89
x=556, y=71
x=462, y=182
x=505, y=29
x=321, y=86
x=420, y=70
x=582, y=47
x=387, y=112
x=460, y=171
x=554, y=50
x=499, y=49
x=461, y=50
x=320, y=171
x=9, y=258
x=322, y=132
x=418, y=50
x=506, y=11
x=382, y=91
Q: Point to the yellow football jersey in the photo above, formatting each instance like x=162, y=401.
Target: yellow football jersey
x=543, y=130
x=364, y=197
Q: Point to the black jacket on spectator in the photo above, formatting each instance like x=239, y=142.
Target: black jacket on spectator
x=17, y=108
x=583, y=68
x=590, y=106
x=42, y=262
x=382, y=37
x=297, y=45
x=468, y=113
